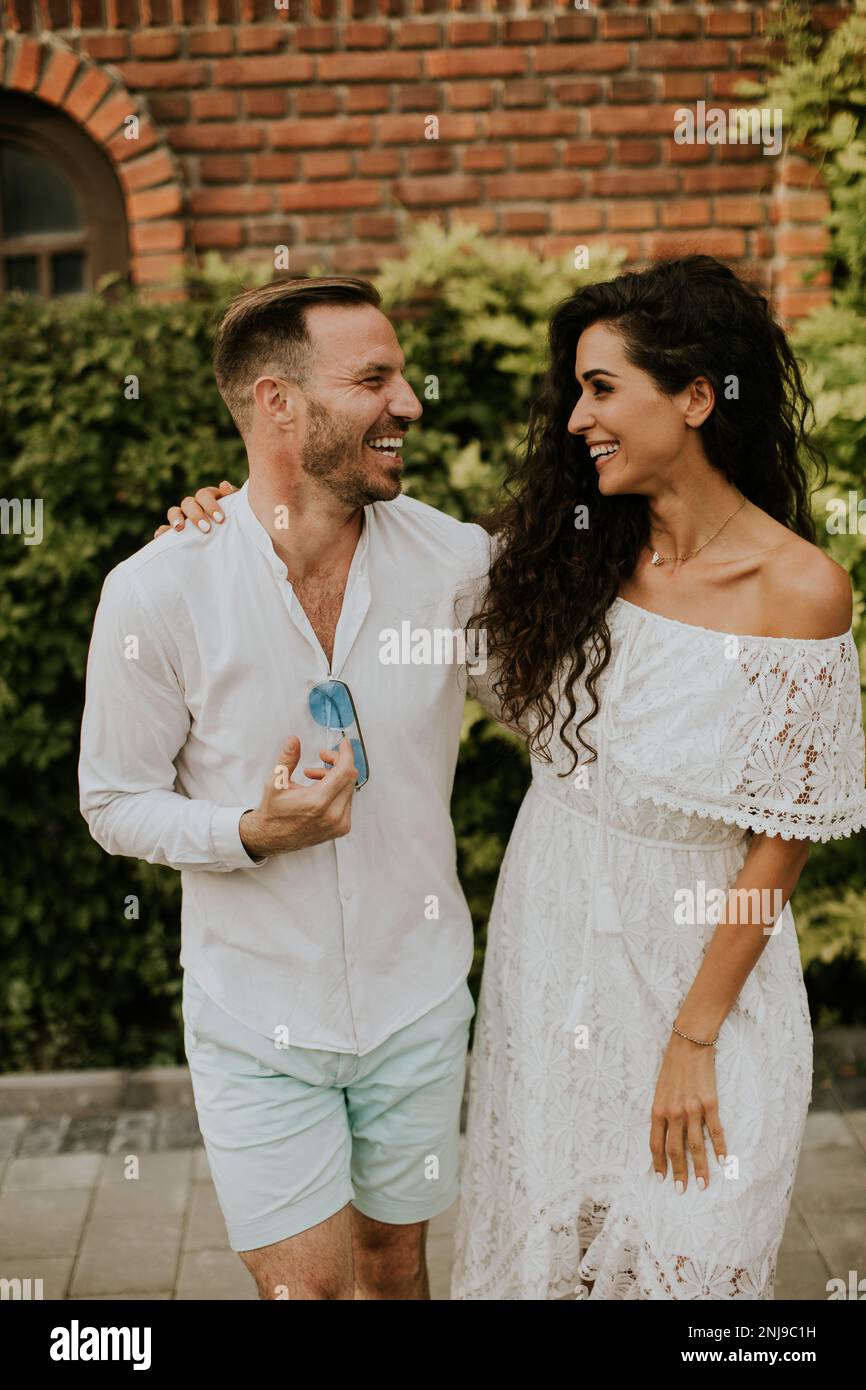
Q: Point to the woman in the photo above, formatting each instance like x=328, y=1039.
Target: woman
x=678, y=654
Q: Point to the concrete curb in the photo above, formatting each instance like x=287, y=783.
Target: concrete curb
x=85, y=1093
x=108, y=1089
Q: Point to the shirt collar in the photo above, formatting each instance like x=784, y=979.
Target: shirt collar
x=261, y=539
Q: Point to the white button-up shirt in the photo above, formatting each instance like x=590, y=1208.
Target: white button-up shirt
x=200, y=666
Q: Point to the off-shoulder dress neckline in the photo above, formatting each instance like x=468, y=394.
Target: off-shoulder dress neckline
x=742, y=636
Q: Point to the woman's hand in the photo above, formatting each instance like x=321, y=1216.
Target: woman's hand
x=685, y=1100
x=205, y=504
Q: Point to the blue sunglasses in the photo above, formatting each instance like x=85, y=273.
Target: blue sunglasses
x=332, y=706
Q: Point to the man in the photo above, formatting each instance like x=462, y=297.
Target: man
x=325, y=937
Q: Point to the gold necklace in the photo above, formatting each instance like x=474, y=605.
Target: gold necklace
x=660, y=559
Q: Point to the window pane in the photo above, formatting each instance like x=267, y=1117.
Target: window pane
x=67, y=272
x=35, y=195
x=21, y=273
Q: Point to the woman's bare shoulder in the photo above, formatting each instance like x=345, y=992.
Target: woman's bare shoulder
x=807, y=594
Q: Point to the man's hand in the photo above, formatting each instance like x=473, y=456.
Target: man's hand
x=198, y=509
x=292, y=816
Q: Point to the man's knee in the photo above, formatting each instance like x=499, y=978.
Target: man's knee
x=390, y=1260
x=315, y=1264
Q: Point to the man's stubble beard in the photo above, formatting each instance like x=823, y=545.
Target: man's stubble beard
x=323, y=457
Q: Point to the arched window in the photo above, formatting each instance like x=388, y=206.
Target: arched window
x=62, y=219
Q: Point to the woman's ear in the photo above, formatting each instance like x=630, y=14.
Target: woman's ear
x=701, y=401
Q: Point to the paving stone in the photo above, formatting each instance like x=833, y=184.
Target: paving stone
x=88, y=1135
x=41, y=1224
x=11, y=1130
x=177, y=1129
x=53, y=1273
x=201, y=1167
x=130, y=1254
x=440, y=1256
x=134, y=1132
x=857, y=1121
x=798, y=1238
x=841, y=1239
x=206, y=1227
x=43, y=1135
x=215, y=1274
x=829, y=1180
x=162, y=1185
x=58, y=1171
x=828, y=1129
x=801, y=1277
x=445, y=1223
x=118, y=1297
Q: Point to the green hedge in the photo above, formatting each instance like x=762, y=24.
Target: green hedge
x=84, y=982
x=818, y=84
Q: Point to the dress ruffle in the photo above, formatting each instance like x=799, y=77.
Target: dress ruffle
x=620, y=1264
x=760, y=732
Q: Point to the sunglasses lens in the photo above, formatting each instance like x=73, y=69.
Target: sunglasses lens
x=330, y=705
x=360, y=760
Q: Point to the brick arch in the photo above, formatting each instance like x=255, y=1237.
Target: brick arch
x=94, y=96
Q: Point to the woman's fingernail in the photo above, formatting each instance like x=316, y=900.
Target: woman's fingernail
x=680, y=1185
x=204, y=525
x=660, y=1176
x=178, y=526
x=701, y=1184
x=217, y=516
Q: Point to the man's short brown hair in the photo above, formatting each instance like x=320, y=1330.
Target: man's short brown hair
x=265, y=330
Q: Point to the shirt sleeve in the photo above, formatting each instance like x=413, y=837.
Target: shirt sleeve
x=482, y=669
x=134, y=725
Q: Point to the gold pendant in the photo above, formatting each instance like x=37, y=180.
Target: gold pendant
x=657, y=559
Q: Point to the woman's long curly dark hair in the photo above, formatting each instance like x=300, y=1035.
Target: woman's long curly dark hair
x=552, y=584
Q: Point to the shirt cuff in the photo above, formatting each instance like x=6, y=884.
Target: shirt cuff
x=226, y=838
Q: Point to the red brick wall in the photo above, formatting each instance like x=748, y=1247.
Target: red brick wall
x=306, y=127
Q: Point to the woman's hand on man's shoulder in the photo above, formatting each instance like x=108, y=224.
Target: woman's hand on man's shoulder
x=201, y=509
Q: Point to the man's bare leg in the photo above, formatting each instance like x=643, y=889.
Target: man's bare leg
x=347, y=1256
x=315, y=1264
x=390, y=1261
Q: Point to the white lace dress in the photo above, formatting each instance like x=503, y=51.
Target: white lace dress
x=702, y=739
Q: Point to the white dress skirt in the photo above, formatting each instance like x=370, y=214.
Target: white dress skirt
x=601, y=918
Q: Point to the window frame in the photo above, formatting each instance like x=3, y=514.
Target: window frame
x=103, y=237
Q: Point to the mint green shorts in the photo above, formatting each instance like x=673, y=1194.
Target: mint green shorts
x=293, y=1134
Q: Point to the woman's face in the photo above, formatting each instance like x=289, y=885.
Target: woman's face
x=636, y=435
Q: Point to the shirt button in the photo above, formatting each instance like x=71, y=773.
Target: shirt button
x=345, y=894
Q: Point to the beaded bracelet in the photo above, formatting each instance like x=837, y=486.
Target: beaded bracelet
x=694, y=1040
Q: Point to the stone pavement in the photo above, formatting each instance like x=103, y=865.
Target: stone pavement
x=68, y=1215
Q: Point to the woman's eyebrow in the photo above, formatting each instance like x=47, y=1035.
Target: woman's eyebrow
x=598, y=371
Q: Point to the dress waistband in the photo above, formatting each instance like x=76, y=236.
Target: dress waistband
x=637, y=839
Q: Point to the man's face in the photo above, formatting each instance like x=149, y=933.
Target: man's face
x=356, y=392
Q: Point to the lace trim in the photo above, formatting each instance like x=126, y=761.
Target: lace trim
x=791, y=822
x=570, y=1236
x=621, y=1265
x=614, y=1262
